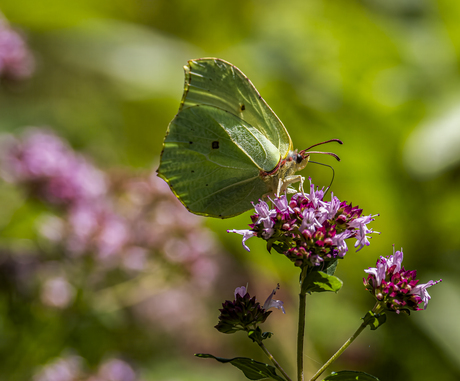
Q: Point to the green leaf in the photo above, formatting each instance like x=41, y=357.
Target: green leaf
x=254, y=370
x=258, y=336
x=331, y=267
x=318, y=281
x=350, y=375
x=374, y=320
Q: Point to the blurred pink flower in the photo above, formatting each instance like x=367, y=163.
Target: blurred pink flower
x=95, y=227
x=57, y=292
x=116, y=370
x=16, y=60
x=70, y=368
x=134, y=258
x=51, y=169
x=63, y=369
x=125, y=221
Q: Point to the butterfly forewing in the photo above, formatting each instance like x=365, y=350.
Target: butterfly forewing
x=217, y=83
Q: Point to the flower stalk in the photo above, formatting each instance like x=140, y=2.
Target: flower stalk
x=301, y=335
x=342, y=349
x=395, y=289
x=273, y=360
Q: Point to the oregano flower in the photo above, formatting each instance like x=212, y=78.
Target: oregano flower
x=395, y=288
x=307, y=229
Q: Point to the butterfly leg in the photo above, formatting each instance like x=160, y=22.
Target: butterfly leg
x=283, y=184
x=302, y=180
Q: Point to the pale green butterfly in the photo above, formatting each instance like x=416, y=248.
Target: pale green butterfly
x=226, y=147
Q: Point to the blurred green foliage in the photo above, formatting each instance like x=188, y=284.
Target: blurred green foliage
x=382, y=75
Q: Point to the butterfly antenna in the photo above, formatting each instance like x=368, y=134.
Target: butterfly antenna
x=327, y=141
x=306, y=153
x=333, y=174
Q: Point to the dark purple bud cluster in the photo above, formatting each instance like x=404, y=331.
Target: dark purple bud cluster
x=245, y=313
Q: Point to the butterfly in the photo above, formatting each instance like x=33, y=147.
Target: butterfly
x=226, y=148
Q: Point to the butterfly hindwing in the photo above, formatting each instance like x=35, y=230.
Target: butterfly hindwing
x=206, y=168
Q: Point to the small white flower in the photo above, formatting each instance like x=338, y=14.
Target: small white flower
x=241, y=291
x=271, y=303
x=422, y=293
x=309, y=221
x=246, y=235
x=265, y=214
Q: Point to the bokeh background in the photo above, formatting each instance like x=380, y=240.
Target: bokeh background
x=104, y=276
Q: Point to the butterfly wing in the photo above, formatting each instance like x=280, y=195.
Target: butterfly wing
x=210, y=161
x=215, y=82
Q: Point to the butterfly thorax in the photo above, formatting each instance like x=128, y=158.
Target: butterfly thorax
x=285, y=168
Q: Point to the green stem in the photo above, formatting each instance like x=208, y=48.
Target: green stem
x=272, y=359
x=301, y=335
x=339, y=352
x=363, y=325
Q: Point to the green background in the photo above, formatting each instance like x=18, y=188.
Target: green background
x=382, y=75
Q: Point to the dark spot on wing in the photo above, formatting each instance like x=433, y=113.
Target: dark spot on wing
x=206, y=184
x=215, y=144
x=190, y=142
x=242, y=107
x=193, y=171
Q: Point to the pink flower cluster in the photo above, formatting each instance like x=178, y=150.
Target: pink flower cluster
x=70, y=368
x=118, y=219
x=16, y=61
x=395, y=288
x=110, y=241
x=307, y=229
x=51, y=169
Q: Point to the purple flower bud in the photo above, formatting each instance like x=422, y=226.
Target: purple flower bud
x=307, y=234
x=341, y=219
